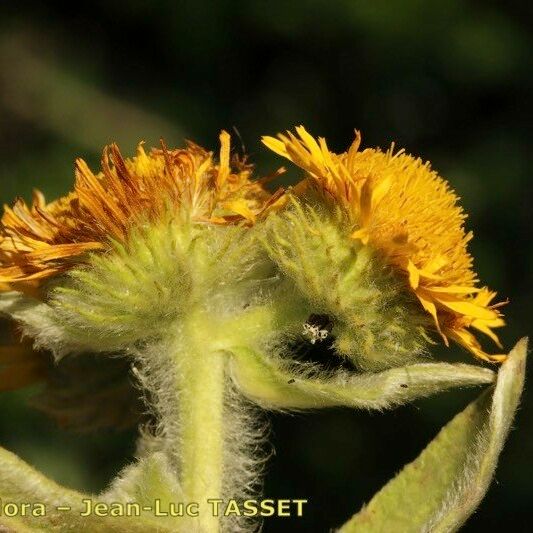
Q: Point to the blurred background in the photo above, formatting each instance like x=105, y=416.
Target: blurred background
x=449, y=80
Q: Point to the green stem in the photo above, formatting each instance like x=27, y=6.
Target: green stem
x=201, y=416
x=190, y=388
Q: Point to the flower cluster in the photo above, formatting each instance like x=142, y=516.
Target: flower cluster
x=391, y=202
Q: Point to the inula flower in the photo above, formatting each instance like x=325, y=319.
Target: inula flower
x=176, y=282
x=399, y=206
x=42, y=240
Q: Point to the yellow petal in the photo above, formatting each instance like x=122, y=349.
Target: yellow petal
x=275, y=145
x=466, y=339
x=481, y=325
x=431, y=308
x=414, y=275
x=310, y=143
x=224, y=170
x=452, y=289
x=466, y=308
x=362, y=235
x=240, y=207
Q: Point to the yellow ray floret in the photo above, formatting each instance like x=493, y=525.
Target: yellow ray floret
x=42, y=239
x=398, y=205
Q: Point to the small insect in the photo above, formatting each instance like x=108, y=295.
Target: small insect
x=291, y=381
x=317, y=327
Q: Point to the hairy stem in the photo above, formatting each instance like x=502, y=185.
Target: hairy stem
x=204, y=428
x=201, y=383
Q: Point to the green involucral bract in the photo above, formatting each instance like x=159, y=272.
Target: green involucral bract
x=378, y=324
x=209, y=317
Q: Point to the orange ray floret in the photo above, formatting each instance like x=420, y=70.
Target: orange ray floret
x=402, y=208
x=40, y=240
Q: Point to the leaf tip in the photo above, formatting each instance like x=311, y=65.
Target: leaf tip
x=518, y=355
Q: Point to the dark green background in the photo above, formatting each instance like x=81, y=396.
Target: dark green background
x=449, y=80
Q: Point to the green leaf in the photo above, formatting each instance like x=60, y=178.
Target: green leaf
x=11, y=524
x=20, y=484
x=146, y=480
x=271, y=384
x=440, y=489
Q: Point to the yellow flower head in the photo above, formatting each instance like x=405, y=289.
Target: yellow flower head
x=405, y=211
x=42, y=240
